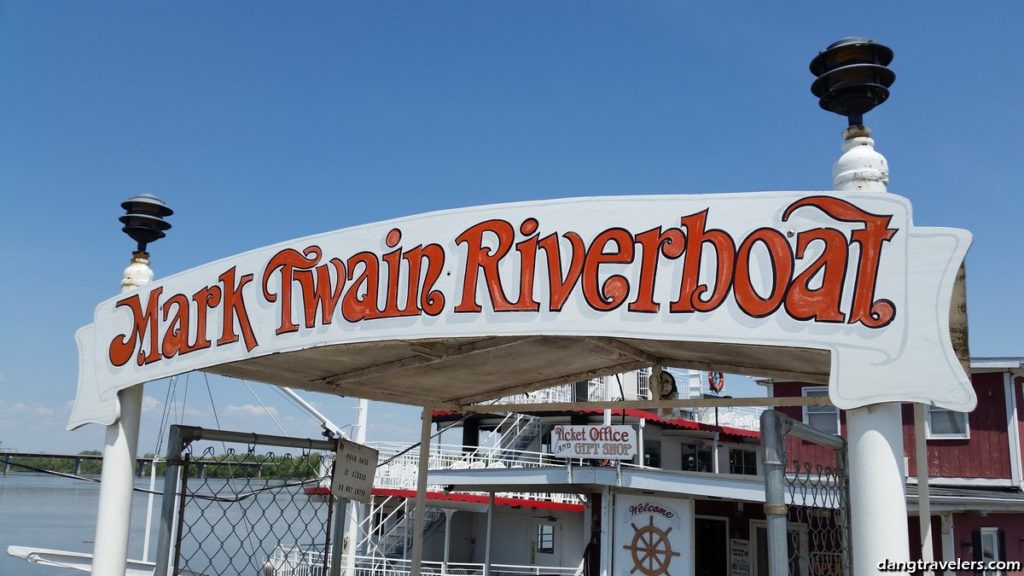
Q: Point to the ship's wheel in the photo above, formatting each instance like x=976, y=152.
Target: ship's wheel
x=651, y=549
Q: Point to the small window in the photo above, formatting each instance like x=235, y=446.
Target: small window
x=652, y=453
x=545, y=538
x=823, y=418
x=743, y=462
x=989, y=546
x=696, y=458
x=946, y=424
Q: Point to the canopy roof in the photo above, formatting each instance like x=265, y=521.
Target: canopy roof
x=467, y=370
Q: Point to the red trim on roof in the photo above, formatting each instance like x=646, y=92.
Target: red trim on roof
x=480, y=499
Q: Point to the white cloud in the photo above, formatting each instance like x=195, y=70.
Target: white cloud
x=150, y=404
x=250, y=410
x=176, y=410
x=38, y=426
x=34, y=409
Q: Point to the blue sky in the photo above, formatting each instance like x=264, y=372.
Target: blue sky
x=262, y=122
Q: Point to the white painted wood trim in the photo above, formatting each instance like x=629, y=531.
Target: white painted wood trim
x=967, y=482
x=948, y=540
x=1012, y=429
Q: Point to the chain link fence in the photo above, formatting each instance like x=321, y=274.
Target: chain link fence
x=819, y=510
x=807, y=503
x=237, y=503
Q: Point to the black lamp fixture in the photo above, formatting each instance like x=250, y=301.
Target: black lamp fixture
x=144, y=219
x=852, y=77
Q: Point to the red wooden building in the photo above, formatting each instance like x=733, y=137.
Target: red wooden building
x=974, y=462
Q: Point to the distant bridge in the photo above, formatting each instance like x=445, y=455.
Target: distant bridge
x=9, y=460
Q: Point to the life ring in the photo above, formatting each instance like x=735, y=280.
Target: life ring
x=716, y=381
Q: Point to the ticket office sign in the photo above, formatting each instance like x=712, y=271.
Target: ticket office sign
x=604, y=442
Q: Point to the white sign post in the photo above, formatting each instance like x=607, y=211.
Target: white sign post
x=354, y=468
x=600, y=442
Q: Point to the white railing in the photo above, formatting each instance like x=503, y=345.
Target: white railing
x=561, y=393
x=298, y=562
x=401, y=471
x=384, y=531
x=643, y=383
x=748, y=418
x=565, y=393
x=741, y=417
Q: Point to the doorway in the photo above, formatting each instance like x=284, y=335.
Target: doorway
x=711, y=546
x=798, y=548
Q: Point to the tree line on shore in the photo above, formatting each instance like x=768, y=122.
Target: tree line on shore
x=237, y=465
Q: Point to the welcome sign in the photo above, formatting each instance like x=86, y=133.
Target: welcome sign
x=653, y=536
x=848, y=274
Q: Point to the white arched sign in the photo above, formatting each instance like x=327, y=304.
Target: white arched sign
x=830, y=286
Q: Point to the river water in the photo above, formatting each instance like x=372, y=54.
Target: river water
x=43, y=511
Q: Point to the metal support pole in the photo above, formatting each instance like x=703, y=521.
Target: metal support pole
x=405, y=529
x=354, y=515
x=373, y=539
x=924, y=510
x=325, y=422
x=640, y=442
x=448, y=513
x=149, y=509
x=774, y=446
x=338, y=535
x=606, y=531
x=606, y=395
x=490, y=527
x=175, y=445
x=421, y=491
x=117, y=481
x=714, y=452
